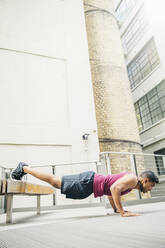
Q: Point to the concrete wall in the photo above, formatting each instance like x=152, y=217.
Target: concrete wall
x=154, y=134
x=156, y=18
x=46, y=97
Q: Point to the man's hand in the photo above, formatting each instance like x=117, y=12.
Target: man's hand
x=128, y=214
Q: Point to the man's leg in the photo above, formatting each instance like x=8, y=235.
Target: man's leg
x=23, y=169
x=47, y=177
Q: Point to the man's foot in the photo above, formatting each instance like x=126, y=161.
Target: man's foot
x=18, y=173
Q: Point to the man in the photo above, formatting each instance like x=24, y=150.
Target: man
x=82, y=185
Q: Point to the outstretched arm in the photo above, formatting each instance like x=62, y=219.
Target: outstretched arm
x=124, y=183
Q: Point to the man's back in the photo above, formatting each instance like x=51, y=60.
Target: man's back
x=102, y=184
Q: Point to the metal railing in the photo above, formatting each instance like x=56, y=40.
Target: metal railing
x=109, y=163
x=61, y=169
x=2, y=198
x=116, y=162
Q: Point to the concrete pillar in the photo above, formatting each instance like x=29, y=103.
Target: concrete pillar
x=116, y=120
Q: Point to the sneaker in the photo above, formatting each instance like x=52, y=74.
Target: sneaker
x=18, y=173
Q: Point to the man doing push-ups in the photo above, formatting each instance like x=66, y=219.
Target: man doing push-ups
x=82, y=185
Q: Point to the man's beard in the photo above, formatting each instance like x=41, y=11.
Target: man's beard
x=141, y=188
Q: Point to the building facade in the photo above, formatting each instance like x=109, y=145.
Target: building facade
x=51, y=53
x=143, y=37
x=46, y=94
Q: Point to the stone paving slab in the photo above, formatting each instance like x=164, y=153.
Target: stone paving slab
x=86, y=227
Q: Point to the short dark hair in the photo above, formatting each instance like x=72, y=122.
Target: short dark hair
x=150, y=175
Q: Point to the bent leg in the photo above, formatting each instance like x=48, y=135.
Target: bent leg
x=47, y=177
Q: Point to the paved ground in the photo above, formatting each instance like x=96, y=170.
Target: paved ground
x=86, y=227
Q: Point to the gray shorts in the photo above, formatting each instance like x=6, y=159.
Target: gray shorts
x=78, y=186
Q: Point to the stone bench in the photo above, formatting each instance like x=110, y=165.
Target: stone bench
x=13, y=187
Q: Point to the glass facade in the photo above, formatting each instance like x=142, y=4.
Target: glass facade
x=124, y=8
x=151, y=108
x=144, y=63
x=160, y=162
x=135, y=31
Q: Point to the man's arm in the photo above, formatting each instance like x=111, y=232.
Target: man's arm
x=124, y=183
x=111, y=201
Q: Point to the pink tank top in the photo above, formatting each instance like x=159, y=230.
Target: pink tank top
x=102, y=184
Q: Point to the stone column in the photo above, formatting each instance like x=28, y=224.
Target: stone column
x=115, y=114
x=116, y=120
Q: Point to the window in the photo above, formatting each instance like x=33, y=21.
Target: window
x=151, y=108
x=160, y=161
x=124, y=8
x=144, y=63
x=135, y=31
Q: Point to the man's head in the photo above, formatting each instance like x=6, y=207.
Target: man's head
x=147, y=181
